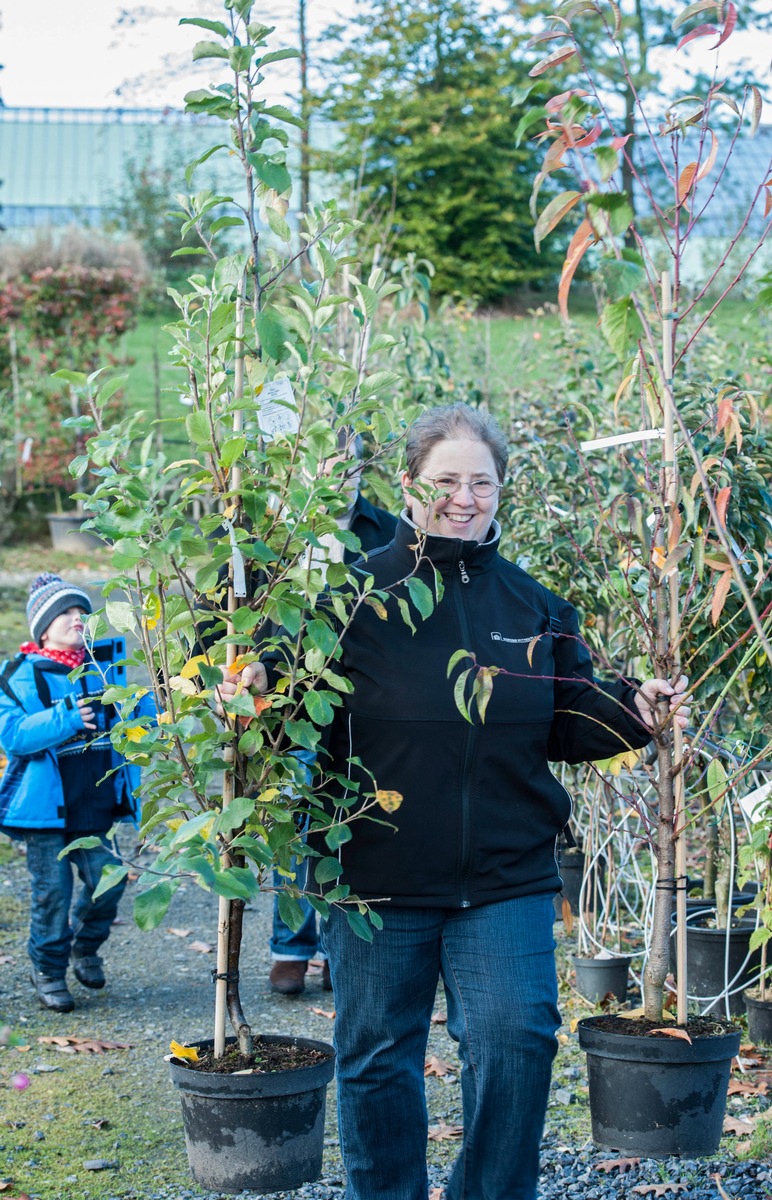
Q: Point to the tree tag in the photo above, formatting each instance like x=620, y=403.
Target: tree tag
x=277, y=412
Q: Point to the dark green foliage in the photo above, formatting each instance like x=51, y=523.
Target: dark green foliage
x=425, y=96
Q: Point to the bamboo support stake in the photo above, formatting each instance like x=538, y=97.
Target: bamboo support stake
x=223, y=922
x=674, y=629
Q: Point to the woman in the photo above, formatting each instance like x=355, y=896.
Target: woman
x=465, y=882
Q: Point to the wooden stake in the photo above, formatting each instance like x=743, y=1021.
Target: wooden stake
x=223, y=922
x=674, y=628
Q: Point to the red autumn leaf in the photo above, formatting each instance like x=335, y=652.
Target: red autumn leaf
x=676, y=1033
x=707, y=166
x=737, y=1126
x=722, y=500
x=720, y=595
x=729, y=24
x=590, y=137
x=74, y=1045
x=700, y=31
x=583, y=238
x=441, y=1132
x=437, y=1066
x=329, y=1013
x=617, y=1164
x=742, y=1087
x=567, y=915
x=686, y=181
x=767, y=201
x=200, y=947
x=724, y=412
x=559, y=56
x=556, y=103
x=618, y=142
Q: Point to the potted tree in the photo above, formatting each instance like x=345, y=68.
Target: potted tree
x=226, y=798
x=756, y=862
x=657, y=1089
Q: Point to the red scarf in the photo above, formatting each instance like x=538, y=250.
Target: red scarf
x=70, y=658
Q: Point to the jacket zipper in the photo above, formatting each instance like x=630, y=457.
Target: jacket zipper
x=469, y=745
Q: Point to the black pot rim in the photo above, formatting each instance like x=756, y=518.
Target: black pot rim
x=269, y=1083
x=636, y=1047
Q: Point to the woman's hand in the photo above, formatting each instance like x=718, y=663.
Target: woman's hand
x=253, y=677
x=653, y=690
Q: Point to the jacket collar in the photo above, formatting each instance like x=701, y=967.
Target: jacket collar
x=445, y=553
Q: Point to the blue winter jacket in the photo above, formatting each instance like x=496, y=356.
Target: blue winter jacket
x=32, y=731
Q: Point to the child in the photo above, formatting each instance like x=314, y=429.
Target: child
x=56, y=736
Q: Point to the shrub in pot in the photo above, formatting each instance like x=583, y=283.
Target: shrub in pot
x=226, y=798
x=756, y=861
x=682, y=522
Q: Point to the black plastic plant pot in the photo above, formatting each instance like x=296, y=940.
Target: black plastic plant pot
x=759, y=1019
x=708, y=971
x=262, y=1132
x=657, y=1096
x=597, y=977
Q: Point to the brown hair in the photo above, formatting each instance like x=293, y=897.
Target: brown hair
x=447, y=423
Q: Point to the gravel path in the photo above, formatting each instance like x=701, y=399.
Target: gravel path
x=159, y=987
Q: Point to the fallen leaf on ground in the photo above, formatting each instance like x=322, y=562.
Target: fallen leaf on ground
x=617, y=1164
x=75, y=1045
x=183, y=933
x=658, y=1189
x=436, y=1066
x=717, y=1180
x=564, y=1039
x=676, y=1033
x=441, y=1132
x=439, y=1018
x=737, y=1125
x=201, y=947
x=739, y=1087
x=6, y=958
x=186, y=1053
x=435, y=1194
x=98, y=1123
x=325, y=1012
x=5, y=1184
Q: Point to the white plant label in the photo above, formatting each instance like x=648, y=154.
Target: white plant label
x=277, y=412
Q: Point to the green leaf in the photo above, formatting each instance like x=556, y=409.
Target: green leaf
x=240, y=57
x=759, y=937
x=620, y=278
x=607, y=159
x=235, y=883
x=121, y=616
x=278, y=56
x=279, y=112
x=272, y=174
x=318, y=708
x=717, y=780
x=405, y=613
x=553, y=214
x=327, y=869
x=197, y=425
x=112, y=873
x=231, y=450
x=278, y=225
x=208, y=50
x=150, y=907
x=84, y=843
x=621, y=326
x=229, y=270
x=456, y=658
x=337, y=836
x=458, y=694
x=618, y=210
x=191, y=828
x=235, y=814
x=303, y=733
x=272, y=334
x=290, y=910
x=421, y=595
x=359, y=925
x=204, y=23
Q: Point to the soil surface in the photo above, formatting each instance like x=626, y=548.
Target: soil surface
x=265, y=1058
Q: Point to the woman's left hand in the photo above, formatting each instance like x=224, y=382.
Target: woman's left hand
x=653, y=690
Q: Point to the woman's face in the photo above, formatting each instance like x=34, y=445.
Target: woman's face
x=65, y=631
x=447, y=506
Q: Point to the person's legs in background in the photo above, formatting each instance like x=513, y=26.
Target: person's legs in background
x=50, y=935
x=92, y=918
x=291, y=951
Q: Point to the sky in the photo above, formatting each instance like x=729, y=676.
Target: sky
x=132, y=54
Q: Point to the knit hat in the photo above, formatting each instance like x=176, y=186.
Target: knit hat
x=49, y=597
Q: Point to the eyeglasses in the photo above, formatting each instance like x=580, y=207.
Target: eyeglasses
x=483, y=489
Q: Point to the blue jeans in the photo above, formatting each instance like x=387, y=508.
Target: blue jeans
x=307, y=942
x=52, y=930
x=497, y=965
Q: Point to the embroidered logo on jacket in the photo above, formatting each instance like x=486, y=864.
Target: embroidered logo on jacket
x=498, y=637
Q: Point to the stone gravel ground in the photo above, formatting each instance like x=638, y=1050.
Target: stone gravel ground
x=159, y=988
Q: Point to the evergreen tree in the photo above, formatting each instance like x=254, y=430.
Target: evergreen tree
x=424, y=93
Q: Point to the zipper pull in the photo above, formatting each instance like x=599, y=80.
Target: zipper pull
x=462, y=569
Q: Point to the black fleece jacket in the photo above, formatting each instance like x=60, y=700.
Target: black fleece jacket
x=481, y=810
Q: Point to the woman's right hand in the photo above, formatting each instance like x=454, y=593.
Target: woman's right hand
x=252, y=677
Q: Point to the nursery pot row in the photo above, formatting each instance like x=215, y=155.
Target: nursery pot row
x=710, y=966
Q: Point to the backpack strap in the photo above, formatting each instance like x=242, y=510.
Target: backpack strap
x=556, y=625
x=10, y=668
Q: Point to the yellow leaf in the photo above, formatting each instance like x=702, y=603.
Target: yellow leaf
x=389, y=801
x=179, y=684
x=190, y=670
x=136, y=733
x=189, y=1053
x=165, y=718
x=174, y=823
x=152, y=612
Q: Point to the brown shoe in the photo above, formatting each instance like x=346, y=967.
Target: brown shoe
x=326, y=980
x=288, y=976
